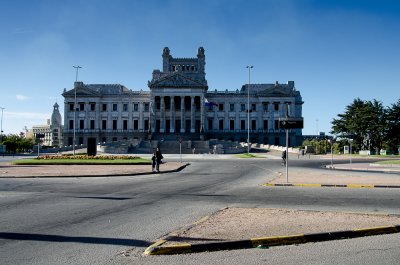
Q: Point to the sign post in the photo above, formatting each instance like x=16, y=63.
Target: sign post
x=289, y=123
x=180, y=149
x=38, y=139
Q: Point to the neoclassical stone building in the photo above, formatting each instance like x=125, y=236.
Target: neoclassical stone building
x=52, y=131
x=178, y=105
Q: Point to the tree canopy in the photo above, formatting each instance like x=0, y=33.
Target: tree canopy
x=370, y=125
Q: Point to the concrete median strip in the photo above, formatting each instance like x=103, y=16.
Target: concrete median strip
x=353, y=186
x=158, y=249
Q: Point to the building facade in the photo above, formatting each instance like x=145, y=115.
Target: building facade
x=50, y=133
x=179, y=104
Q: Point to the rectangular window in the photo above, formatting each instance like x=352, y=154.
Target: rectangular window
x=114, y=139
x=135, y=107
x=265, y=106
x=71, y=124
x=231, y=107
x=232, y=125
x=125, y=124
x=242, y=124
x=115, y=107
x=71, y=106
x=81, y=124
x=92, y=106
x=104, y=107
x=91, y=124
x=104, y=124
x=221, y=107
x=242, y=107
x=210, y=124
x=276, y=106
x=146, y=107
x=80, y=140
x=265, y=124
x=104, y=139
x=221, y=124
x=81, y=106
x=125, y=107
x=253, y=107
x=135, y=124
x=70, y=140
x=146, y=124
x=276, y=124
x=253, y=124
x=114, y=124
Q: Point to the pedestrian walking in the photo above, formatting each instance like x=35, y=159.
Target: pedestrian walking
x=284, y=157
x=158, y=159
x=154, y=161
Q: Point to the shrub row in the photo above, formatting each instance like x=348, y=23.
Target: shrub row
x=86, y=157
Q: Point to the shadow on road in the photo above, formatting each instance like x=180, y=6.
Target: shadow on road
x=79, y=239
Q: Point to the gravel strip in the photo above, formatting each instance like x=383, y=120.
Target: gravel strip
x=245, y=223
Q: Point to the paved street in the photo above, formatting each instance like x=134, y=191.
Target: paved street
x=112, y=220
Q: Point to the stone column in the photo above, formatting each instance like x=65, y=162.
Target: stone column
x=141, y=120
x=172, y=115
x=202, y=115
x=192, y=117
x=66, y=116
x=182, y=114
x=162, y=118
x=152, y=114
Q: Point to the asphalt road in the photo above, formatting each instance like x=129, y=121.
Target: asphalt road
x=112, y=220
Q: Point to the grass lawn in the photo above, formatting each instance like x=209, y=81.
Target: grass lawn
x=83, y=161
x=245, y=155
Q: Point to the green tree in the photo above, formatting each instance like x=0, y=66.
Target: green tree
x=392, y=139
x=363, y=121
x=17, y=143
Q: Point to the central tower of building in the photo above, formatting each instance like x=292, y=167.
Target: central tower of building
x=177, y=94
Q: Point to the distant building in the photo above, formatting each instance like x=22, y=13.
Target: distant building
x=50, y=133
x=180, y=105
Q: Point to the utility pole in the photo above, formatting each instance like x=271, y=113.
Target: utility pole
x=75, y=108
x=1, y=133
x=248, y=112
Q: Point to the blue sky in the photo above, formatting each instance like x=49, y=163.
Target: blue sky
x=335, y=51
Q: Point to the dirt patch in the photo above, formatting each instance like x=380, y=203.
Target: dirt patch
x=245, y=223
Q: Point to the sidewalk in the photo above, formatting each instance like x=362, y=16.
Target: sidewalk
x=355, y=175
x=46, y=171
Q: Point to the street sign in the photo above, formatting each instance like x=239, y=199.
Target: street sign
x=291, y=123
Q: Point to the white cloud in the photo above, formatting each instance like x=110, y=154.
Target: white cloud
x=21, y=97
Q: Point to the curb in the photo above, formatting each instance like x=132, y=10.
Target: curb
x=353, y=186
x=157, y=249
x=99, y=175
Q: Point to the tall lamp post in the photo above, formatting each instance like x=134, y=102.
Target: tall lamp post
x=331, y=143
x=350, y=140
x=248, y=112
x=75, y=107
x=1, y=132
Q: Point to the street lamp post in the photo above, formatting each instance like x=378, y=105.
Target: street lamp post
x=350, y=140
x=248, y=112
x=75, y=108
x=331, y=143
x=1, y=133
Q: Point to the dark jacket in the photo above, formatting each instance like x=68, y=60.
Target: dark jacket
x=159, y=156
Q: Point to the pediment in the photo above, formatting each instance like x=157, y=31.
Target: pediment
x=274, y=92
x=81, y=92
x=176, y=80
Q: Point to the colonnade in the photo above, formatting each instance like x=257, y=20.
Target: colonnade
x=189, y=117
